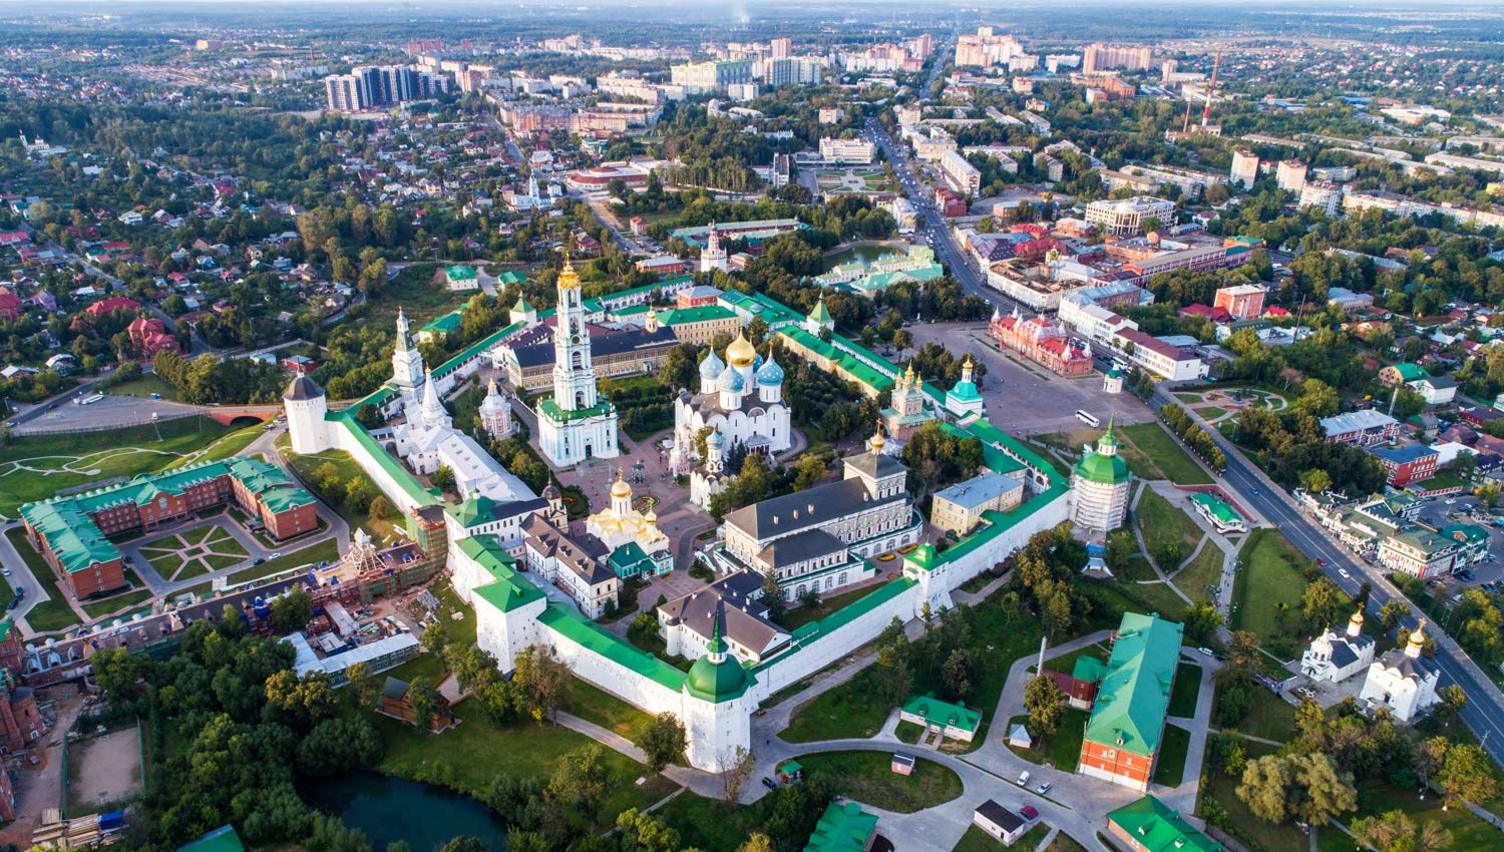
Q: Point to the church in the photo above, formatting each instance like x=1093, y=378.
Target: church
x=574, y=424
x=1403, y=681
x=621, y=526
x=1335, y=657
x=741, y=399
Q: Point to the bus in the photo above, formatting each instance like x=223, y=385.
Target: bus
x=1087, y=418
x=90, y=400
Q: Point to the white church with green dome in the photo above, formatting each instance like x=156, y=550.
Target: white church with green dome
x=964, y=399
x=1100, y=485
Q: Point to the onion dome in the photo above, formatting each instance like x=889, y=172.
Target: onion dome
x=730, y=382
x=716, y=676
x=770, y=373
x=620, y=488
x=740, y=353
x=711, y=366
x=714, y=439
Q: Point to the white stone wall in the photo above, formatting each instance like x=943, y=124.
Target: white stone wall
x=788, y=667
x=343, y=440
x=1046, y=516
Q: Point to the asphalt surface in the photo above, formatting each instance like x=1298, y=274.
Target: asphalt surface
x=1482, y=713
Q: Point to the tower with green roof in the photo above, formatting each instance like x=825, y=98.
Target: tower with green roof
x=714, y=700
x=963, y=399
x=1100, y=484
x=523, y=311
x=819, y=319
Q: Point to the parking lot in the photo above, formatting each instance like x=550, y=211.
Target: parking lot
x=1029, y=400
x=1437, y=512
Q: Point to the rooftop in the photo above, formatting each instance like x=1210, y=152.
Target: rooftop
x=1135, y=693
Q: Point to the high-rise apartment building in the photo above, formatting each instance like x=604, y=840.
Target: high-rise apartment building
x=372, y=86
x=985, y=49
x=711, y=76
x=779, y=48
x=1245, y=168
x=1122, y=57
x=1291, y=175
x=792, y=71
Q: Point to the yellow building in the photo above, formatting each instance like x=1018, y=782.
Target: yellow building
x=620, y=525
x=959, y=508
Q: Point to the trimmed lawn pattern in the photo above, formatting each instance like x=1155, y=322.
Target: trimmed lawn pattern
x=193, y=552
x=1183, y=694
x=112, y=605
x=865, y=777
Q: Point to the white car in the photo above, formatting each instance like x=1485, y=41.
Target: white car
x=1023, y=780
x=1343, y=573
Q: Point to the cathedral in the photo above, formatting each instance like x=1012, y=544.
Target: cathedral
x=742, y=401
x=906, y=411
x=574, y=424
x=620, y=525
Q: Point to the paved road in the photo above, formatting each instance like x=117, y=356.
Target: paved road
x=1484, y=712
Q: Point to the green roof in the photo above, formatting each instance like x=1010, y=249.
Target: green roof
x=476, y=349
x=699, y=313
x=474, y=510
x=510, y=590
x=510, y=277
x=1102, y=467
x=844, y=827
x=964, y=391
x=1134, y=697
x=935, y=711
x=1410, y=372
x=922, y=557
x=444, y=323
x=820, y=314
x=716, y=682
x=459, y=270
x=570, y=624
x=1088, y=669
x=552, y=411
x=629, y=560
x=806, y=633
x=222, y=839
x=1157, y=827
x=77, y=541
x=1217, y=507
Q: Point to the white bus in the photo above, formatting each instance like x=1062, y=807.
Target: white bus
x=1087, y=418
x=90, y=400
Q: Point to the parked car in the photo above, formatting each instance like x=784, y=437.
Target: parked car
x=1023, y=780
x=1043, y=788
x=769, y=783
x=1028, y=812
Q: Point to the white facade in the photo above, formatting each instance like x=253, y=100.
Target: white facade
x=1403, y=681
x=714, y=256
x=1290, y=175
x=1334, y=657
x=743, y=402
x=574, y=424
x=1245, y=168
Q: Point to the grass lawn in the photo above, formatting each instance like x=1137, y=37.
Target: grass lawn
x=468, y=757
x=1172, y=748
x=1183, y=695
x=705, y=823
x=977, y=840
x=1211, y=412
x=116, y=603
x=602, y=708
x=51, y=614
x=1113, y=598
x=1172, y=461
x=144, y=386
x=865, y=777
x=326, y=550
x=1202, y=576
x=1067, y=662
x=1061, y=749
x=54, y=462
x=1138, y=568
x=1270, y=717
x=800, y=615
x=231, y=444
x=1268, y=589
x=854, y=709
x=908, y=732
x=1162, y=525
x=344, y=464
x=1468, y=831
x=1065, y=843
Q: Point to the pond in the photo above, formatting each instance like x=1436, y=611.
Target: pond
x=389, y=809
x=863, y=253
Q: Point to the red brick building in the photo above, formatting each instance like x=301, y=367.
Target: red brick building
x=1407, y=464
x=72, y=533
x=1123, y=736
x=1042, y=342
x=149, y=336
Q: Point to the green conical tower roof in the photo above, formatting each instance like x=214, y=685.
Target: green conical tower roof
x=820, y=314
x=1104, y=465
x=716, y=676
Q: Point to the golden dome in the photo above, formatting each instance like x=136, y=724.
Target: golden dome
x=567, y=276
x=878, y=441
x=1418, y=637
x=1357, y=617
x=651, y=517
x=740, y=353
x=620, y=488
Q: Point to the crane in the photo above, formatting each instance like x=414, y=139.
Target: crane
x=1206, y=111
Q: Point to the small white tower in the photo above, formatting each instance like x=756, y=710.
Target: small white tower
x=495, y=413
x=523, y=312
x=711, y=367
x=650, y=322
x=407, y=363
x=713, y=256
x=306, y=406
x=432, y=412
x=621, y=496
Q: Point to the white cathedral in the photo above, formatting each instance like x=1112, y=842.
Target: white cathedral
x=574, y=424
x=743, y=403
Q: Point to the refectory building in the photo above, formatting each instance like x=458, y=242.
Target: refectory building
x=1123, y=735
x=73, y=533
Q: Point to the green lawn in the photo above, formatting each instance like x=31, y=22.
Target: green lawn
x=51, y=614
x=801, y=615
x=1268, y=589
x=1138, y=569
x=344, y=464
x=865, y=777
x=469, y=756
x=1183, y=696
x=1211, y=412
x=1468, y=831
x=144, y=386
x=854, y=708
x=977, y=840
x=326, y=550
x=1270, y=717
x=1172, y=748
x=707, y=824
x=230, y=445
x=1202, y=576
x=608, y=711
x=908, y=732
x=1061, y=749
x=1172, y=461
x=54, y=462
x=1113, y=598
x=116, y=603
x=1162, y=525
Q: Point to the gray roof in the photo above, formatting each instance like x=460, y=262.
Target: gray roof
x=875, y=465
x=1354, y=421
x=743, y=624
x=612, y=343
x=303, y=388
x=796, y=548
x=1000, y=816
x=814, y=507
x=1416, y=668
x=584, y=554
x=980, y=490
x=394, y=688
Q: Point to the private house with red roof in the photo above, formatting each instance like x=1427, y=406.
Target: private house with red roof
x=149, y=336
x=10, y=305
x=112, y=303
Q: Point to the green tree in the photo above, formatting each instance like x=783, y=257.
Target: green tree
x=772, y=598
x=291, y=612
x=540, y=679
x=663, y=741
x=893, y=658
x=1320, y=603
x=1045, y=703
x=1467, y=774
x=579, y=779
x=1394, y=831
x=423, y=700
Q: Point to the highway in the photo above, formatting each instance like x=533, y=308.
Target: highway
x=1483, y=713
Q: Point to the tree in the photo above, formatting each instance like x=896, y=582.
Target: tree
x=1320, y=602
x=772, y=598
x=1265, y=781
x=1390, y=614
x=540, y=681
x=893, y=655
x=1045, y=703
x=1324, y=792
x=464, y=843
x=339, y=745
x=363, y=684
x=1316, y=481
x=291, y=612
x=739, y=763
x=306, y=701
x=443, y=478
x=756, y=842
x=663, y=741
x=1467, y=775
x=423, y=700
x=1394, y=831
x=645, y=832
x=580, y=778
x=957, y=674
